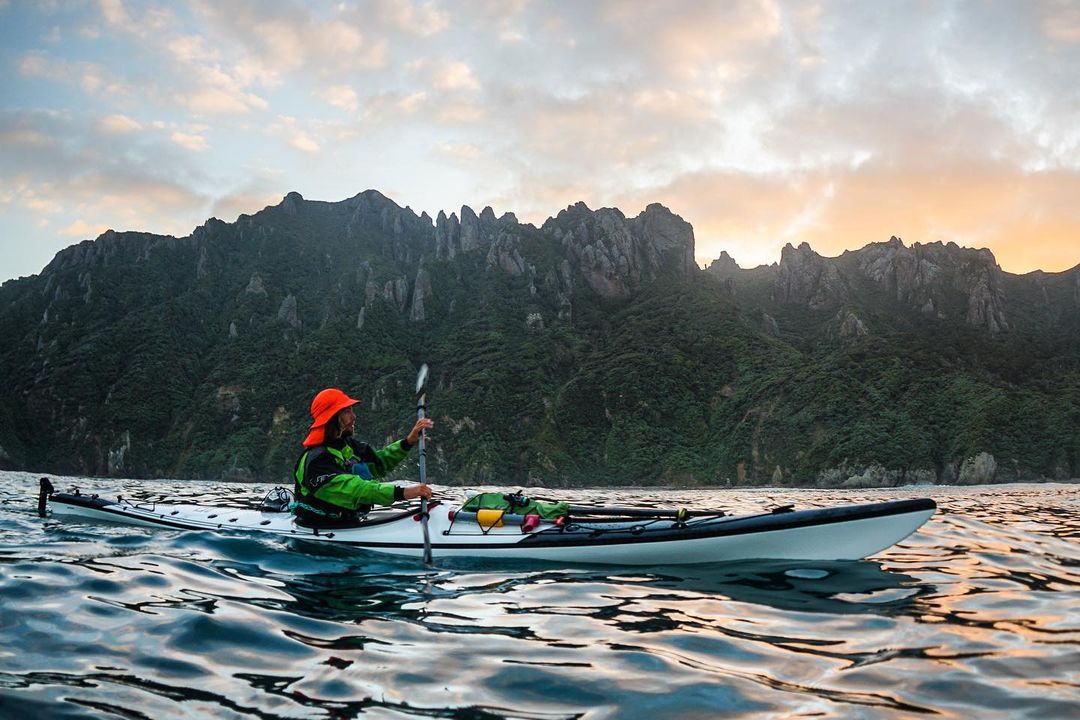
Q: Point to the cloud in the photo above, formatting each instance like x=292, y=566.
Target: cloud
x=302, y=142
x=1061, y=21
x=25, y=138
x=423, y=19
x=412, y=102
x=115, y=13
x=459, y=112
x=75, y=165
x=193, y=73
x=450, y=76
x=455, y=76
x=191, y=49
x=196, y=143
x=460, y=151
x=93, y=78
x=271, y=40
x=118, y=124
x=215, y=92
x=340, y=96
x=248, y=201
x=388, y=109
x=690, y=40
x=82, y=229
x=41, y=201
x=153, y=21
x=296, y=134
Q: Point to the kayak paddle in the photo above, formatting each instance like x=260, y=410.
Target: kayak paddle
x=420, y=399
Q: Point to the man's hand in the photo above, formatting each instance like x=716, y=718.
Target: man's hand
x=422, y=424
x=417, y=491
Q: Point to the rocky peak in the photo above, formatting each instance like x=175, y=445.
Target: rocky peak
x=377, y=209
x=927, y=276
x=806, y=278
x=110, y=248
x=471, y=232
x=470, y=229
x=670, y=238
x=723, y=267
x=446, y=228
x=899, y=269
x=503, y=254
x=291, y=203
x=725, y=270
x=410, y=236
x=615, y=254
x=979, y=277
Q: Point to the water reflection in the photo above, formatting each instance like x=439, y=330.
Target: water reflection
x=406, y=591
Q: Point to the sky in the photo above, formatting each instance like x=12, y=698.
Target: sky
x=760, y=122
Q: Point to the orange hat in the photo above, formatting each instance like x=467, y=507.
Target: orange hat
x=324, y=407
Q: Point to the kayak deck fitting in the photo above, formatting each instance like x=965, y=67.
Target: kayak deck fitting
x=847, y=532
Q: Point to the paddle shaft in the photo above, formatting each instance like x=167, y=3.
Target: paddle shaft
x=423, y=480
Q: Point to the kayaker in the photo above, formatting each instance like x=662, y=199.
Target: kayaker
x=336, y=475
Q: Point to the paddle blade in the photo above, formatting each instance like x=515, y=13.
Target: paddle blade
x=421, y=378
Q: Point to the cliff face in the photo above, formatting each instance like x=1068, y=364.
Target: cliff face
x=937, y=280
x=615, y=255
x=590, y=349
x=933, y=277
x=806, y=278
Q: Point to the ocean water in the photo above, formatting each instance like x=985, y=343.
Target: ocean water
x=976, y=616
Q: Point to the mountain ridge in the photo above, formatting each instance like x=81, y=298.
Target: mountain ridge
x=590, y=349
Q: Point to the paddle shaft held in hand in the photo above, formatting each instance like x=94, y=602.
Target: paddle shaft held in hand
x=420, y=409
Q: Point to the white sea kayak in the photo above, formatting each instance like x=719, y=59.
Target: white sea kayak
x=846, y=532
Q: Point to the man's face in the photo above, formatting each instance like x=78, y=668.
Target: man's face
x=347, y=420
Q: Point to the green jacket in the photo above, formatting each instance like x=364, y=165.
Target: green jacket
x=339, y=481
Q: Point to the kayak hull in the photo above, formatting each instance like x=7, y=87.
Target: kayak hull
x=847, y=532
